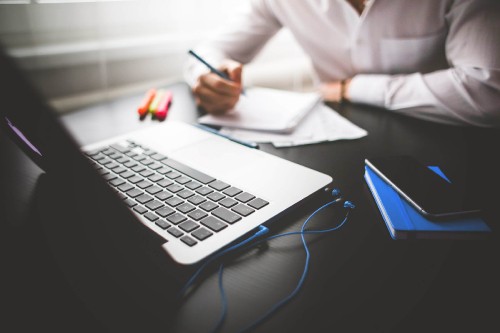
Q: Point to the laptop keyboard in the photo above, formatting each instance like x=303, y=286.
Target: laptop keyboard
x=190, y=205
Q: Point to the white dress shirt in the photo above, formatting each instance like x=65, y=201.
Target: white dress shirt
x=433, y=59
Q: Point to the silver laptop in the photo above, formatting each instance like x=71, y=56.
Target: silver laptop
x=197, y=190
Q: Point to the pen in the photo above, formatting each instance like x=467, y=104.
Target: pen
x=241, y=142
x=212, y=69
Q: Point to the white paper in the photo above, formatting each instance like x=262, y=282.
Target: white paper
x=320, y=125
x=266, y=109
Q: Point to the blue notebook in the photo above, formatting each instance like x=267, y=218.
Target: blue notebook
x=404, y=222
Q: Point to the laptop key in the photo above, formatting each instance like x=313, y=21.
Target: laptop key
x=185, y=208
x=109, y=176
x=108, y=151
x=244, y=197
x=201, y=234
x=175, y=232
x=165, y=182
x=173, y=175
x=97, y=157
x=162, y=224
x=197, y=214
x=188, y=226
x=134, y=193
x=155, y=204
x=144, y=184
x=127, y=174
x=130, y=164
x=208, y=206
x=196, y=200
x=226, y=215
x=174, y=201
x=216, y=196
x=147, y=161
x=104, y=161
x=243, y=210
x=176, y=218
x=183, y=180
x=135, y=179
x=204, y=190
x=153, y=189
x=155, y=166
x=125, y=187
x=218, y=185
x=192, y=185
x=140, y=158
x=122, y=159
x=93, y=152
x=228, y=202
x=195, y=174
x=163, y=195
x=165, y=211
x=213, y=223
x=258, y=203
x=232, y=191
x=164, y=170
x=144, y=198
x=115, y=155
x=158, y=157
x=188, y=240
x=138, y=168
x=129, y=202
x=112, y=165
x=184, y=194
x=119, y=170
x=155, y=177
x=140, y=209
x=174, y=188
x=150, y=216
x=146, y=173
x=117, y=182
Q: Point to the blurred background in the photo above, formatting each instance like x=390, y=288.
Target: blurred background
x=80, y=52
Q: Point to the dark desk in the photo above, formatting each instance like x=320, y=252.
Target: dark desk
x=360, y=280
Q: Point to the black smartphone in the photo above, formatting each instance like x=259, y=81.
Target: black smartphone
x=428, y=192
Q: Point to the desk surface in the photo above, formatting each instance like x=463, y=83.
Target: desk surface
x=360, y=280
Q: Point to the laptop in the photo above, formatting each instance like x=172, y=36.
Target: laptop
x=196, y=191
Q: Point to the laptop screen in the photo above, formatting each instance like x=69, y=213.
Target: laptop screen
x=22, y=110
x=117, y=266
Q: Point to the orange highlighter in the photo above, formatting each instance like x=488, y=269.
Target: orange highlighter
x=163, y=106
x=148, y=98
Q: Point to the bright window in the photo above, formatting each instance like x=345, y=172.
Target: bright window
x=80, y=51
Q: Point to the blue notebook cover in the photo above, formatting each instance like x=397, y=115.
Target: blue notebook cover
x=404, y=222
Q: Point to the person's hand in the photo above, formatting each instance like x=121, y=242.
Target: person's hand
x=332, y=91
x=217, y=95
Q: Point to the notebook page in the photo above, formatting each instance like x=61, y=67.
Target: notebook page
x=266, y=109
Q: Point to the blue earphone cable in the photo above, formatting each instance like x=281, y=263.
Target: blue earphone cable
x=241, y=245
x=223, y=300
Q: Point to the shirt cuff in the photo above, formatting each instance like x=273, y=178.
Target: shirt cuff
x=369, y=89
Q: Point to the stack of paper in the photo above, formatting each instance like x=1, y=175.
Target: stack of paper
x=283, y=118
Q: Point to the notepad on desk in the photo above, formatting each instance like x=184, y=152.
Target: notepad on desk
x=266, y=109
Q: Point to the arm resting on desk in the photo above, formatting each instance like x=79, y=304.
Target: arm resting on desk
x=466, y=93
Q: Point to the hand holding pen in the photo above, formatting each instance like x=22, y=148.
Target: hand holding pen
x=218, y=91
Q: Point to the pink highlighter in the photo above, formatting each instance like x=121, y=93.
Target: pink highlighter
x=163, y=106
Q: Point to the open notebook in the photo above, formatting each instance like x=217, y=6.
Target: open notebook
x=266, y=109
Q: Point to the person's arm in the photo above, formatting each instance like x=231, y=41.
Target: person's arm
x=466, y=93
x=236, y=44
